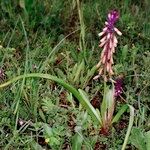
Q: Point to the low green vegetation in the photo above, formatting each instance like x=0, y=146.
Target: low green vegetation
x=48, y=55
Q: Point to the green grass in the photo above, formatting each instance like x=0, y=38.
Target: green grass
x=60, y=38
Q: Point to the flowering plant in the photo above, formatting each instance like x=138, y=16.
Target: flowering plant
x=109, y=42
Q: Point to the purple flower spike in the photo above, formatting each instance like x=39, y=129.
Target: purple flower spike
x=108, y=42
x=118, y=87
x=113, y=16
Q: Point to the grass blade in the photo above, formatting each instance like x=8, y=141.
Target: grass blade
x=77, y=141
x=120, y=112
x=78, y=71
x=129, y=127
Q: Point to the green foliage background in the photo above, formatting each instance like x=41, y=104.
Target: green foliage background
x=30, y=33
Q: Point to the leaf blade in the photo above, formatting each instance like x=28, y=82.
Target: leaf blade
x=129, y=127
x=120, y=112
